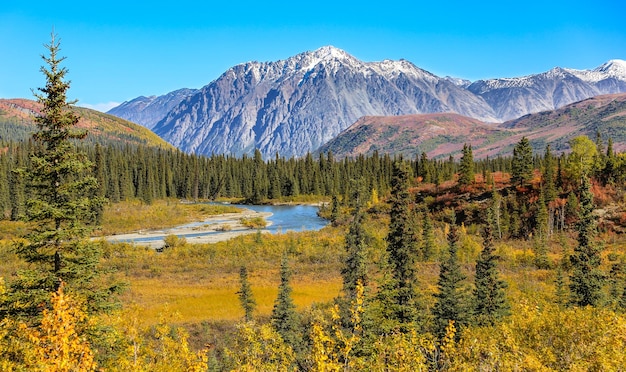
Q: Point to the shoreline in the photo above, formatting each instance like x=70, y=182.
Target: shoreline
x=209, y=230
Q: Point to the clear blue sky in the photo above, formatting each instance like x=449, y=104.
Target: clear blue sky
x=119, y=50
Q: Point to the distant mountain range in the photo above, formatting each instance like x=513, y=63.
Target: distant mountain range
x=443, y=134
x=296, y=105
x=17, y=123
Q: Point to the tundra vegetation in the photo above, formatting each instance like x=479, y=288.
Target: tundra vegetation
x=511, y=263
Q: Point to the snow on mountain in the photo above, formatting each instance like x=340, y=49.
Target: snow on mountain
x=514, y=97
x=295, y=105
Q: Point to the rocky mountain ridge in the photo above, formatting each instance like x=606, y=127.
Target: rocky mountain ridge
x=148, y=111
x=295, y=105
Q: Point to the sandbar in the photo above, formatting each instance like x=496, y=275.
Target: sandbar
x=210, y=230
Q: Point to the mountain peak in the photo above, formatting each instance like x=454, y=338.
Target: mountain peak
x=614, y=67
x=330, y=52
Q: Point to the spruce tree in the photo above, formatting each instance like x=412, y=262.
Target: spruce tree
x=540, y=239
x=60, y=207
x=245, y=294
x=608, y=173
x=354, y=270
x=587, y=279
x=490, y=303
x=450, y=300
x=428, y=238
x=549, y=187
x=285, y=319
x=466, y=168
x=402, y=250
x=560, y=291
x=355, y=267
x=522, y=162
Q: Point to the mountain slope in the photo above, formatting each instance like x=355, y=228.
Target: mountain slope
x=296, y=105
x=16, y=123
x=148, y=111
x=605, y=114
x=444, y=134
x=514, y=97
x=434, y=134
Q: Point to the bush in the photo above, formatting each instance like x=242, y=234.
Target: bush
x=253, y=222
x=173, y=241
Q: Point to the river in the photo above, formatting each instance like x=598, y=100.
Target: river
x=281, y=218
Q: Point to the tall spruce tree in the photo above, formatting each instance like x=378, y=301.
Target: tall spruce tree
x=450, y=301
x=587, y=279
x=490, y=303
x=60, y=207
x=285, y=319
x=402, y=250
x=466, y=168
x=355, y=268
x=245, y=294
x=549, y=187
x=428, y=236
x=522, y=162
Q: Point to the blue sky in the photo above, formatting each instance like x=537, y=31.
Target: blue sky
x=119, y=50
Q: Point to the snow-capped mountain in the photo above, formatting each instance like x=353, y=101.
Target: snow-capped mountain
x=512, y=98
x=295, y=105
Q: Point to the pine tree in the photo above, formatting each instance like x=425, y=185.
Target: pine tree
x=245, y=294
x=401, y=249
x=560, y=292
x=522, y=162
x=428, y=238
x=450, y=300
x=586, y=279
x=334, y=211
x=16, y=188
x=490, y=303
x=355, y=268
x=60, y=207
x=466, y=168
x=549, y=187
x=541, y=234
x=608, y=173
x=285, y=319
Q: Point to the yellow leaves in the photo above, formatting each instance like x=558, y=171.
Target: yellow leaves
x=332, y=345
x=447, y=343
x=401, y=352
x=152, y=349
x=323, y=350
x=57, y=344
x=260, y=348
x=546, y=338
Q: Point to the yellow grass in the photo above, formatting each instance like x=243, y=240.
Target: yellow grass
x=218, y=300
